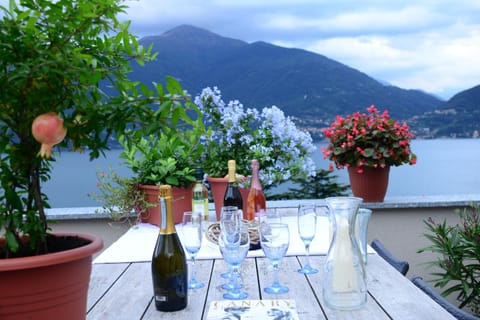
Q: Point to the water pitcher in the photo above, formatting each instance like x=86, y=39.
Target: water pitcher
x=344, y=283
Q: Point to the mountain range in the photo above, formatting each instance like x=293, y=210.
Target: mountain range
x=310, y=87
x=458, y=117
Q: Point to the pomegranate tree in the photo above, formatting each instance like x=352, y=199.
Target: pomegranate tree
x=55, y=57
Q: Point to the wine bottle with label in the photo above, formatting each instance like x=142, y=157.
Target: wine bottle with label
x=256, y=203
x=200, y=196
x=169, y=267
x=232, y=197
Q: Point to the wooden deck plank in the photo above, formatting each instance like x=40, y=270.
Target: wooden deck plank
x=101, y=279
x=128, y=298
x=298, y=285
x=398, y=295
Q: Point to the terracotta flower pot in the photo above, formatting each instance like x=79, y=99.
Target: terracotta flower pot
x=218, y=187
x=48, y=286
x=182, y=201
x=371, y=185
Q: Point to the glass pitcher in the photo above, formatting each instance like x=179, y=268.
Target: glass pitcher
x=344, y=283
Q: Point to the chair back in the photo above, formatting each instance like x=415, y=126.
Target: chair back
x=452, y=309
x=401, y=265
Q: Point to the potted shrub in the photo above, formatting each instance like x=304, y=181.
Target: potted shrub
x=171, y=159
x=243, y=134
x=458, y=262
x=120, y=197
x=368, y=144
x=56, y=56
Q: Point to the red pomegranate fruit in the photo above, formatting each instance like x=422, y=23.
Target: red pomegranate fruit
x=48, y=129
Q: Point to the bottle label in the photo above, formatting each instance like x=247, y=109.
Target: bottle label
x=163, y=210
x=160, y=298
x=200, y=206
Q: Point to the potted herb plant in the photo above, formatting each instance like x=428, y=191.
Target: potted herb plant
x=368, y=144
x=458, y=262
x=56, y=57
x=169, y=158
x=243, y=134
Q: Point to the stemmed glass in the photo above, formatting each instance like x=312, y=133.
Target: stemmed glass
x=274, y=239
x=307, y=226
x=234, y=253
x=274, y=216
x=192, y=240
x=230, y=218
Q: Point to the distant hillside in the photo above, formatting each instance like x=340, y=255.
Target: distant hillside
x=302, y=83
x=465, y=101
x=459, y=117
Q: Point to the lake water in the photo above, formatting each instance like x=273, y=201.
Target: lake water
x=444, y=167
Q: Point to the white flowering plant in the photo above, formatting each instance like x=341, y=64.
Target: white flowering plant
x=243, y=134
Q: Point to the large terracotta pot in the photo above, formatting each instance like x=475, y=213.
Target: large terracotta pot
x=218, y=186
x=49, y=286
x=370, y=185
x=182, y=201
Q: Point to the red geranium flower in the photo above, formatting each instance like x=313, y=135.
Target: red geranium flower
x=369, y=139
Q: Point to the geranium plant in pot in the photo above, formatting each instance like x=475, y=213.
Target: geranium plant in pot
x=368, y=144
x=242, y=134
x=56, y=56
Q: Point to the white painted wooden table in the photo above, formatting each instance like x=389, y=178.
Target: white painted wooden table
x=124, y=291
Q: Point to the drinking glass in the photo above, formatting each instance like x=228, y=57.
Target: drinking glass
x=273, y=216
x=307, y=226
x=274, y=239
x=230, y=218
x=361, y=230
x=192, y=240
x=234, y=253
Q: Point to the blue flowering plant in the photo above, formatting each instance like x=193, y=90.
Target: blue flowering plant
x=243, y=134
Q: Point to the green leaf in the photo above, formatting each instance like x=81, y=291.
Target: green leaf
x=369, y=152
x=12, y=242
x=173, y=86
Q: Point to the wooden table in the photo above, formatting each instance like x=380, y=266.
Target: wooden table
x=124, y=291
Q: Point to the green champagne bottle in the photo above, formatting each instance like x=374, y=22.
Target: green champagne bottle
x=169, y=267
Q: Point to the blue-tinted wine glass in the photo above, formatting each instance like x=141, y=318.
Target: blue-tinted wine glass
x=230, y=218
x=234, y=254
x=274, y=239
x=307, y=227
x=192, y=240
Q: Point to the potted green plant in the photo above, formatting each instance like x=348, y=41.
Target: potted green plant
x=120, y=197
x=56, y=56
x=368, y=144
x=457, y=267
x=169, y=158
x=243, y=134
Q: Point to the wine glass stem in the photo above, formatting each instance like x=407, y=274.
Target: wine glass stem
x=193, y=268
x=234, y=280
x=307, y=253
x=276, y=282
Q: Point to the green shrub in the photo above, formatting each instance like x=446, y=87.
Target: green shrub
x=458, y=247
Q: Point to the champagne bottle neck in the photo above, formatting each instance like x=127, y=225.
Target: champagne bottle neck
x=166, y=222
x=255, y=179
x=231, y=171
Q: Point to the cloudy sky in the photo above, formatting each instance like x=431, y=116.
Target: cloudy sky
x=432, y=45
